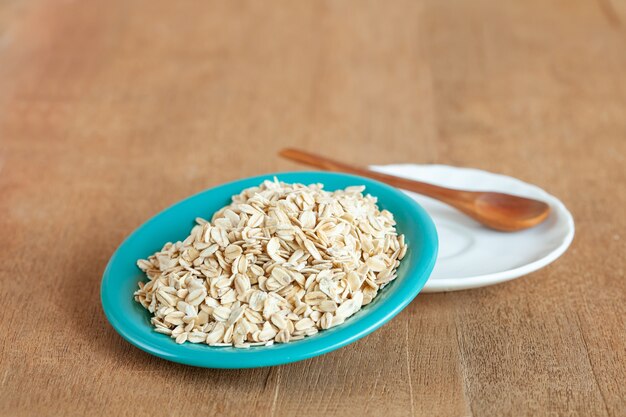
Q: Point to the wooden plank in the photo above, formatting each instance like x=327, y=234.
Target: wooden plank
x=111, y=111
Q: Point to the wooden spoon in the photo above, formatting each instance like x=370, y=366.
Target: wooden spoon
x=504, y=212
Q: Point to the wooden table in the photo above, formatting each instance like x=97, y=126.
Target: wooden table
x=112, y=110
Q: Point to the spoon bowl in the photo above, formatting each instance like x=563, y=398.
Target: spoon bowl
x=507, y=212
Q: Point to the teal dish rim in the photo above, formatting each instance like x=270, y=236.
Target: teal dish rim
x=131, y=320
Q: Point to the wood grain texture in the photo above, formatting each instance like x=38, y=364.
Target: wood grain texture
x=111, y=111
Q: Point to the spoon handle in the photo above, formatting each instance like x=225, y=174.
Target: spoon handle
x=447, y=195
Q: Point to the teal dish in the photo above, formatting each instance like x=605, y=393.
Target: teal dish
x=132, y=321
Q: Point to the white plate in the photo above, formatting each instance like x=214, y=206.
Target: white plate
x=471, y=255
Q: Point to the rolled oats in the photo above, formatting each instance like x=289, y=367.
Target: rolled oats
x=279, y=263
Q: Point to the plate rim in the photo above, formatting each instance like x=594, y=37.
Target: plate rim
x=416, y=278
x=478, y=281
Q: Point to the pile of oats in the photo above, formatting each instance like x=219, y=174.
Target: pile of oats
x=279, y=263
